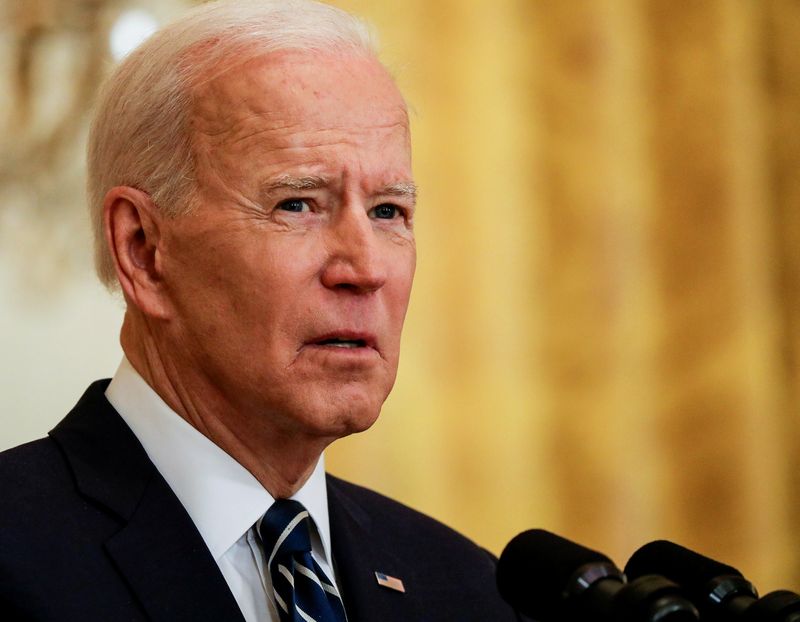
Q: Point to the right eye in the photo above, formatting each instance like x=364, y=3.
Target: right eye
x=294, y=205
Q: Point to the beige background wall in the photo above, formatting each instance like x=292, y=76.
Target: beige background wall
x=605, y=331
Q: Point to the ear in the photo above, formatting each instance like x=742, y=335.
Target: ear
x=132, y=225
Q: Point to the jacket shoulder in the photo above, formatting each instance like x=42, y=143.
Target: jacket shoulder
x=406, y=524
x=453, y=577
x=30, y=472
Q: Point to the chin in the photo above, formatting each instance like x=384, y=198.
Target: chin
x=342, y=413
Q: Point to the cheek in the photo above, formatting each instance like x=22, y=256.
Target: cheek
x=274, y=289
x=272, y=266
x=241, y=287
x=399, y=291
x=404, y=267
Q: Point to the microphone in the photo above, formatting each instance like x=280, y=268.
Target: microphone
x=553, y=579
x=720, y=592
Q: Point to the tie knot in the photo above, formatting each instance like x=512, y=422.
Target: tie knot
x=284, y=529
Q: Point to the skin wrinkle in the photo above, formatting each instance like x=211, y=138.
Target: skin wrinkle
x=222, y=319
x=401, y=189
x=315, y=182
x=213, y=164
x=224, y=133
x=254, y=105
x=287, y=131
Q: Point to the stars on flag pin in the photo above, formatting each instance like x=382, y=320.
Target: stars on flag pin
x=393, y=583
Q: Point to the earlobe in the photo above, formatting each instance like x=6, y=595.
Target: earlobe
x=132, y=228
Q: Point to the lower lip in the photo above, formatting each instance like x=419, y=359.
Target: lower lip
x=337, y=353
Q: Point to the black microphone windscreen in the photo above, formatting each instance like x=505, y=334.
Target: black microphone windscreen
x=536, y=567
x=679, y=564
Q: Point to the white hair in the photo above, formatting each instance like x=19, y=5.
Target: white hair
x=141, y=132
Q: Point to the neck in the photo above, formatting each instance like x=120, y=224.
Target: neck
x=281, y=460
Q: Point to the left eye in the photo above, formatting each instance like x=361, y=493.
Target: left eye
x=385, y=211
x=294, y=205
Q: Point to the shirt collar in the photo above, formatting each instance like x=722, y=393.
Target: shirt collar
x=222, y=498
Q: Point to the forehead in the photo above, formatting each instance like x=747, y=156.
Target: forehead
x=297, y=99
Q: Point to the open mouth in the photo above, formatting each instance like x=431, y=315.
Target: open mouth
x=350, y=340
x=342, y=343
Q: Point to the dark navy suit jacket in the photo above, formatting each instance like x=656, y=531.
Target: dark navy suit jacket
x=90, y=531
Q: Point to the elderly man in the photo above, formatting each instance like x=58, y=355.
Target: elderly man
x=250, y=184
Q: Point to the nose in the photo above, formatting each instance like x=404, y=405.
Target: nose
x=356, y=257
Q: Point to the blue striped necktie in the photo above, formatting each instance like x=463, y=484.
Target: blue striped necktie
x=302, y=591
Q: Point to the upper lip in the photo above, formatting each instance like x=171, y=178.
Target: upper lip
x=368, y=339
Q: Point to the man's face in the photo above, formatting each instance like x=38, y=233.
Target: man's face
x=290, y=281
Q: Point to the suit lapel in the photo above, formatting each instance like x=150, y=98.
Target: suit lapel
x=167, y=564
x=158, y=550
x=358, y=554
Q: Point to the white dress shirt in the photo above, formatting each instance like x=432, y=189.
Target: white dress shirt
x=222, y=498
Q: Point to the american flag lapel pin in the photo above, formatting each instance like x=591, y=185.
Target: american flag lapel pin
x=393, y=583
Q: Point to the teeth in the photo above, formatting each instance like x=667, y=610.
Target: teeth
x=343, y=343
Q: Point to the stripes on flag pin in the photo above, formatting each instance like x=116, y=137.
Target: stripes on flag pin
x=393, y=583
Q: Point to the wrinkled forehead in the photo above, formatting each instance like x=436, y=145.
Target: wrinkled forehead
x=299, y=90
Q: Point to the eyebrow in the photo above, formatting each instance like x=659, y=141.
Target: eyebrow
x=403, y=189
x=297, y=183
x=406, y=189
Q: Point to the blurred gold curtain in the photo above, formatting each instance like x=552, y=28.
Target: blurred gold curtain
x=604, y=337
x=605, y=330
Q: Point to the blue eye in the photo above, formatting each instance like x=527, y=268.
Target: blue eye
x=385, y=211
x=294, y=205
